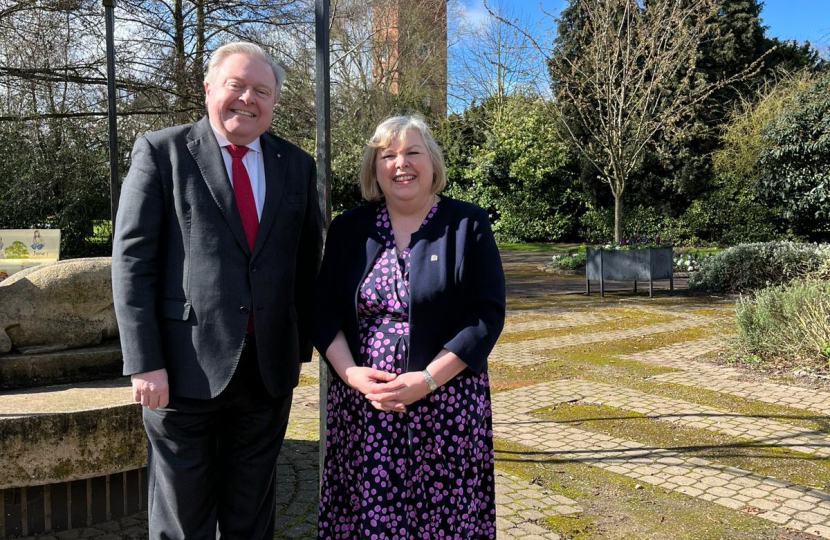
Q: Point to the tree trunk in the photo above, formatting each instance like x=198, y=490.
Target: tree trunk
x=179, y=61
x=618, y=217
x=199, y=60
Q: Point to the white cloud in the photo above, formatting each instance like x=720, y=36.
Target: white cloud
x=474, y=13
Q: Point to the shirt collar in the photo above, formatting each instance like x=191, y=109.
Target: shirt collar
x=255, y=145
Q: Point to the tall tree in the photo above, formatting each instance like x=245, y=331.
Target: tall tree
x=794, y=162
x=53, y=94
x=628, y=75
x=493, y=59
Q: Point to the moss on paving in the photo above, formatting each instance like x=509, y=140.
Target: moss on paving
x=615, y=507
x=302, y=431
x=628, y=318
x=738, y=405
x=305, y=380
x=764, y=459
x=524, y=317
x=686, y=298
x=718, y=313
x=567, y=361
x=539, y=300
x=600, y=362
x=623, y=347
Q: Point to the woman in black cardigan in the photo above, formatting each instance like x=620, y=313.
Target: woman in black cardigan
x=410, y=301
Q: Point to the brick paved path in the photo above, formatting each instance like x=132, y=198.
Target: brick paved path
x=528, y=353
x=780, y=502
x=561, y=321
x=748, y=428
x=727, y=381
x=521, y=505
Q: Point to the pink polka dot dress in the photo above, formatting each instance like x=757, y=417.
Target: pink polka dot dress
x=419, y=475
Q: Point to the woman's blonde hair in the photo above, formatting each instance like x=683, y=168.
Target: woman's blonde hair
x=395, y=127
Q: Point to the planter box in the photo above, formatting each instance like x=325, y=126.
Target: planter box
x=629, y=265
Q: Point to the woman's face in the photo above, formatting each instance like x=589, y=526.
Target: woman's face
x=404, y=170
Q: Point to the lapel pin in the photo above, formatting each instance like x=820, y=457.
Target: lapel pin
x=279, y=155
x=433, y=258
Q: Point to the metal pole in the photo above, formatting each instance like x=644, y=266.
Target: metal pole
x=323, y=97
x=115, y=185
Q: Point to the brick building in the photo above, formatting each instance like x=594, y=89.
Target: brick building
x=410, y=50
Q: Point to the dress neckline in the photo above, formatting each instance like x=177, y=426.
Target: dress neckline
x=387, y=233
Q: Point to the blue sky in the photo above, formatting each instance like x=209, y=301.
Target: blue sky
x=787, y=19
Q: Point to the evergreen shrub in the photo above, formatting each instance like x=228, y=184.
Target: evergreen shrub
x=748, y=267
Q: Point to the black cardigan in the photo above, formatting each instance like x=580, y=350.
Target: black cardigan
x=456, y=281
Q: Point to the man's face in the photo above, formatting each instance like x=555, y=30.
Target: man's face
x=240, y=98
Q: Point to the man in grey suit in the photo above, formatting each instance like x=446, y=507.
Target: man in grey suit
x=217, y=244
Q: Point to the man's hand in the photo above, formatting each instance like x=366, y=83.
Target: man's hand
x=150, y=388
x=396, y=395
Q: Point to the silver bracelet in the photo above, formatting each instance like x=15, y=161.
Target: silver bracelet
x=433, y=386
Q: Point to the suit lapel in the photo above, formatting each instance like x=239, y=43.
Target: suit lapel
x=208, y=156
x=274, y=186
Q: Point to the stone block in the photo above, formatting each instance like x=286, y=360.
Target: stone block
x=58, y=306
x=63, y=433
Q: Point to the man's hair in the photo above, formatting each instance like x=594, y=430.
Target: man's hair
x=395, y=127
x=248, y=49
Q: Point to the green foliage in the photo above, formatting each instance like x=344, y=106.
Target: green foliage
x=678, y=167
x=731, y=211
x=518, y=172
x=675, y=166
x=55, y=174
x=730, y=214
x=347, y=151
x=748, y=267
x=597, y=226
x=787, y=321
x=794, y=162
x=741, y=139
x=573, y=260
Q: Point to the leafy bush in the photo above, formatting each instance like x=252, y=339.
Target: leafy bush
x=794, y=170
x=730, y=214
x=597, y=226
x=518, y=171
x=748, y=267
x=787, y=321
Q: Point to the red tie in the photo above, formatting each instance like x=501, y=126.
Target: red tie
x=244, y=194
x=244, y=201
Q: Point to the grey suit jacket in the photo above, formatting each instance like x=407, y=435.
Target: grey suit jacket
x=184, y=279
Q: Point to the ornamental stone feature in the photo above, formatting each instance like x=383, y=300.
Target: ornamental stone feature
x=64, y=305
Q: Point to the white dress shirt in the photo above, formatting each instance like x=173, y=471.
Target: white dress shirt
x=254, y=164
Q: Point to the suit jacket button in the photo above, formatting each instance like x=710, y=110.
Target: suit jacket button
x=243, y=310
x=253, y=269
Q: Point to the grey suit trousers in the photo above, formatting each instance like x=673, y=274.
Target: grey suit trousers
x=212, y=463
